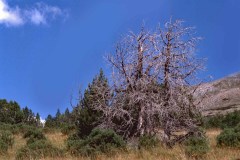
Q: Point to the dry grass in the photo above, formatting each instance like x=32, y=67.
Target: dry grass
x=18, y=143
x=159, y=153
x=57, y=139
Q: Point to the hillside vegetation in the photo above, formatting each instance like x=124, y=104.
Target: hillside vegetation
x=158, y=152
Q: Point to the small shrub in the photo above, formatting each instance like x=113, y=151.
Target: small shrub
x=223, y=121
x=66, y=130
x=148, y=142
x=196, y=146
x=214, y=121
x=99, y=141
x=105, y=140
x=229, y=137
x=231, y=119
x=73, y=137
x=4, y=126
x=23, y=128
x=237, y=128
x=17, y=128
x=37, y=150
x=34, y=135
x=6, y=141
x=77, y=147
x=3, y=147
x=7, y=138
x=9, y=127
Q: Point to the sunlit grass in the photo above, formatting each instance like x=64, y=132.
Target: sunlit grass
x=57, y=139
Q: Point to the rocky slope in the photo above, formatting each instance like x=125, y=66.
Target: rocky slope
x=222, y=96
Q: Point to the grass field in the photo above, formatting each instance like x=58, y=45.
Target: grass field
x=158, y=153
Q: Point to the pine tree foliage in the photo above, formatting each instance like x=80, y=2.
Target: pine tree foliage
x=11, y=113
x=87, y=117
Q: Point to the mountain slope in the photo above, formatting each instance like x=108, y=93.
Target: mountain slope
x=222, y=95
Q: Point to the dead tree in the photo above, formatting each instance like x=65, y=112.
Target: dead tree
x=178, y=66
x=154, y=78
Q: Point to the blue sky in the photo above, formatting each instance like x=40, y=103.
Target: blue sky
x=49, y=48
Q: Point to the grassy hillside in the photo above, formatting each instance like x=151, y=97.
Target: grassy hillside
x=160, y=153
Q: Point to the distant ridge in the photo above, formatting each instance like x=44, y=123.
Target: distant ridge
x=223, y=95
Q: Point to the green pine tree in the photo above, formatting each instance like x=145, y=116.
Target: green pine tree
x=67, y=116
x=38, y=121
x=88, y=118
x=50, y=122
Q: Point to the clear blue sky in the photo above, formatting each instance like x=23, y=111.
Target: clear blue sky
x=49, y=48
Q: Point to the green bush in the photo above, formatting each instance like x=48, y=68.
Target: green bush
x=231, y=119
x=9, y=127
x=23, y=128
x=79, y=148
x=214, y=121
x=237, y=128
x=99, y=141
x=148, y=142
x=37, y=150
x=229, y=137
x=16, y=128
x=73, y=137
x=34, y=135
x=6, y=141
x=19, y=128
x=3, y=147
x=7, y=138
x=68, y=129
x=196, y=146
x=105, y=140
x=223, y=121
